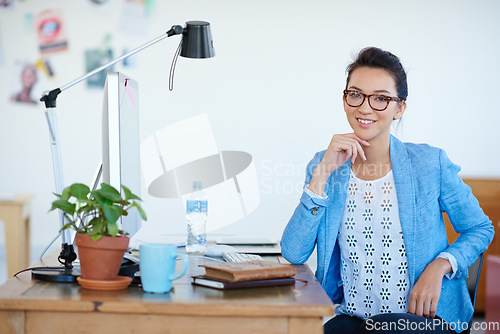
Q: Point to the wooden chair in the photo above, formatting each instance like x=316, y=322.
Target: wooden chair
x=473, y=283
x=487, y=192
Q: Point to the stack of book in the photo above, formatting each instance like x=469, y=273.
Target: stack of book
x=252, y=274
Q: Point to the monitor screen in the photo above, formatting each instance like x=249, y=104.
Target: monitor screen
x=120, y=141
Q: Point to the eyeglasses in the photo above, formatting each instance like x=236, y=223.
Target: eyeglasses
x=376, y=101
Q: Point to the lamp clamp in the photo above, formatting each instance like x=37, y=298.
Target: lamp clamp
x=175, y=30
x=49, y=98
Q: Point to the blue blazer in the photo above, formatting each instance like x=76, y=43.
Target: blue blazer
x=427, y=184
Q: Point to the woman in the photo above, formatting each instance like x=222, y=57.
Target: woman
x=28, y=80
x=373, y=207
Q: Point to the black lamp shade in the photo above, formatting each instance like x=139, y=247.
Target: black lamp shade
x=197, y=40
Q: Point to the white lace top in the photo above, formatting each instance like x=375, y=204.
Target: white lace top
x=373, y=257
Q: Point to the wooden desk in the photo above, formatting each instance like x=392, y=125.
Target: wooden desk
x=28, y=306
x=15, y=214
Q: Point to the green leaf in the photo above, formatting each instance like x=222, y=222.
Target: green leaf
x=94, y=221
x=110, y=193
x=113, y=229
x=68, y=225
x=141, y=210
x=99, y=198
x=98, y=227
x=96, y=237
x=128, y=194
x=87, y=209
x=66, y=194
x=101, y=228
x=112, y=212
x=80, y=191
x=65, y=206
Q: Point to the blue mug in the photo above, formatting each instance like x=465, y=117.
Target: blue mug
x=157, y=266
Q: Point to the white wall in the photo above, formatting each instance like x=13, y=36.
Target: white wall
x=273, y=89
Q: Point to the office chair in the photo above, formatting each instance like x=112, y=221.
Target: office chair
x=472, y=284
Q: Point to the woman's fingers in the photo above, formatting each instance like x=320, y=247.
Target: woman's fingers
x=420, y=308
x=360, y=150
x=412, y=306
x=351, y=145
x=424, y=297
x=347, y=149
x=433, y=308
x=425, y=307
x=342, y=148
x=354, y=154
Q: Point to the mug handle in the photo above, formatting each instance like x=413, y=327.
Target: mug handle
x=184, y=269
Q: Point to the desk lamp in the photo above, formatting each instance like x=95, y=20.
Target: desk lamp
x=196, y=43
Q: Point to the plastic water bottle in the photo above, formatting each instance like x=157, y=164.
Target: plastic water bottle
x=196, y=218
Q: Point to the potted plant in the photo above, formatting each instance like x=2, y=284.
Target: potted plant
x=94, y=215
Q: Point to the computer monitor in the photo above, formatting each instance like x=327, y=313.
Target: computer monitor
x=120, y=141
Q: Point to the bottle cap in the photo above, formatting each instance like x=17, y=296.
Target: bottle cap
x=197, y=185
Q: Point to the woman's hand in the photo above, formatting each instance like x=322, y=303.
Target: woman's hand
x=425, y=294
x=341, y=148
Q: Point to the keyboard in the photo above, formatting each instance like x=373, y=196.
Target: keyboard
x=240, y=257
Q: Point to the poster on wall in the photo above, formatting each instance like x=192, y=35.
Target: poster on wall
x=134, y=16
x=95, y=58
x=51, y=31
x=6, y=3
x=129, y=62
x=25, y=84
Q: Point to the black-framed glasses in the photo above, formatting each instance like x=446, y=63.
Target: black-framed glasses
x=377, y=102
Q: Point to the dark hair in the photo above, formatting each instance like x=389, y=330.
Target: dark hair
x=378, y=58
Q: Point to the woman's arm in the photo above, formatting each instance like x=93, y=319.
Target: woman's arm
x=476, y=233
x=299, y=237
x=466, y=216
x=425, y=294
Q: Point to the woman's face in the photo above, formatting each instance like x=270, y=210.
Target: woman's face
x=28, y=76
x=367, y=123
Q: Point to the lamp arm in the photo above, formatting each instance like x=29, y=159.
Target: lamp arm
x=174, y=31
x=50, y=97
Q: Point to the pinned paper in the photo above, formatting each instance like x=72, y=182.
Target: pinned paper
x=28, y=22
x=6, y=3
x=25, y=84
x=130, y=61
x=95, y=58
x=51, y=31
x=134, y=18
x=44, y=66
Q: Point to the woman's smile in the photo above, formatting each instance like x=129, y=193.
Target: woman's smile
x=365, y=123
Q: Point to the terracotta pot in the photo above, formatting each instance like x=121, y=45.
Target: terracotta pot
x=101, y=259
